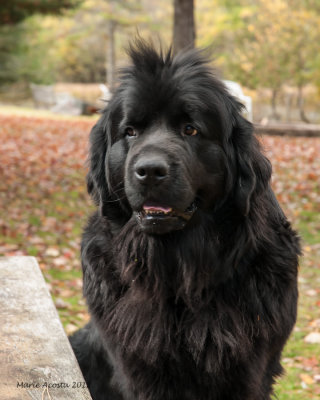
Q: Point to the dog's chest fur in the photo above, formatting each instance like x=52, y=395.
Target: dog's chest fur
x=159, y=302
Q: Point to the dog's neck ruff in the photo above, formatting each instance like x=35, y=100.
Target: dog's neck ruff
x=166, y=300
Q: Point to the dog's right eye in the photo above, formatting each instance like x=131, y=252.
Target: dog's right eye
x=129, y=131
x=190, y=130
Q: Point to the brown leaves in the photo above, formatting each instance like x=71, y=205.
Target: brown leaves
x=296, y=172
x=41, y=161
x=43, y=199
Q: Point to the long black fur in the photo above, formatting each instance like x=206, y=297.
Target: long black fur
x=200, y=313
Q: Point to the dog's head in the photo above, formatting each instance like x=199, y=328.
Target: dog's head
x=172, y=145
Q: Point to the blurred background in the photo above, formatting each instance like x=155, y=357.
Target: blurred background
x=58, y=66
x=74, y=47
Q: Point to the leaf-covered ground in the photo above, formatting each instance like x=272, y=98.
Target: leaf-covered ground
x=44, y=206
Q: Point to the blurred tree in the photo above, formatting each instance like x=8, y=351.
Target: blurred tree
x=13, y=32
x=11, y=46
x=183, y=25
x=261, y=54
x=264, y=44
x=80, y=54
x=303, y=36
x=105, y=18
x=72, y=47
x=15, y=11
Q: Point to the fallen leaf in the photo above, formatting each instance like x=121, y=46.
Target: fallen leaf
x=52, y=252
x=70, y=329
x=307, y=379
x=315, y=323
x=311, y=292
x=313, y=337
x=61, y=304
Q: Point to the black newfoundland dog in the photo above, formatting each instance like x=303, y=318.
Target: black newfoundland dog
x=189, y=264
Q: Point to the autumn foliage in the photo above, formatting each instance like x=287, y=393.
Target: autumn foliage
x=41, y=159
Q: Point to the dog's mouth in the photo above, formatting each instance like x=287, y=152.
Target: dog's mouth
x=159, y=218
x=152, y=211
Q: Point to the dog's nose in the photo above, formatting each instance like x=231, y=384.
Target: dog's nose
x=151, y=171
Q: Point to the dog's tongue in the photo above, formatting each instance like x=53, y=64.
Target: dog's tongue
x=153, y=207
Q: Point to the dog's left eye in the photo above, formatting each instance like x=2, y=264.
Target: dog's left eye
x=129, y=131
x=190, y=130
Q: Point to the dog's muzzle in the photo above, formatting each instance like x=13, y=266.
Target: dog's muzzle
x=158, y=219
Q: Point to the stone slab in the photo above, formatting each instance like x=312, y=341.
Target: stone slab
x=36, y=359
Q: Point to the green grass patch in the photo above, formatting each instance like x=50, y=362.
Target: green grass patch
x=309, y=226
x=34, y=220
x=65, y=275
x=32, y=251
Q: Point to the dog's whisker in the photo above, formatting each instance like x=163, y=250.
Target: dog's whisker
x=115, y=191
x=116, y=200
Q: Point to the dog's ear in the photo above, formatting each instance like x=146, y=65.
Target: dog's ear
x=100, y=140
x=96, y=178
x=252, y=168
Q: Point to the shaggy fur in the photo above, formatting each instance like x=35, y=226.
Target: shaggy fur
x=196, y=309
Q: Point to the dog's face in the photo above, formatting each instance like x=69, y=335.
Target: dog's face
x=165, y=144
x=171, y=165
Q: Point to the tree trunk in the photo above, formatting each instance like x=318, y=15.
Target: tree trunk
x=111, y=58
x=289, y=98
x=184, y=27
x=301, y=104
x=274, y=114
